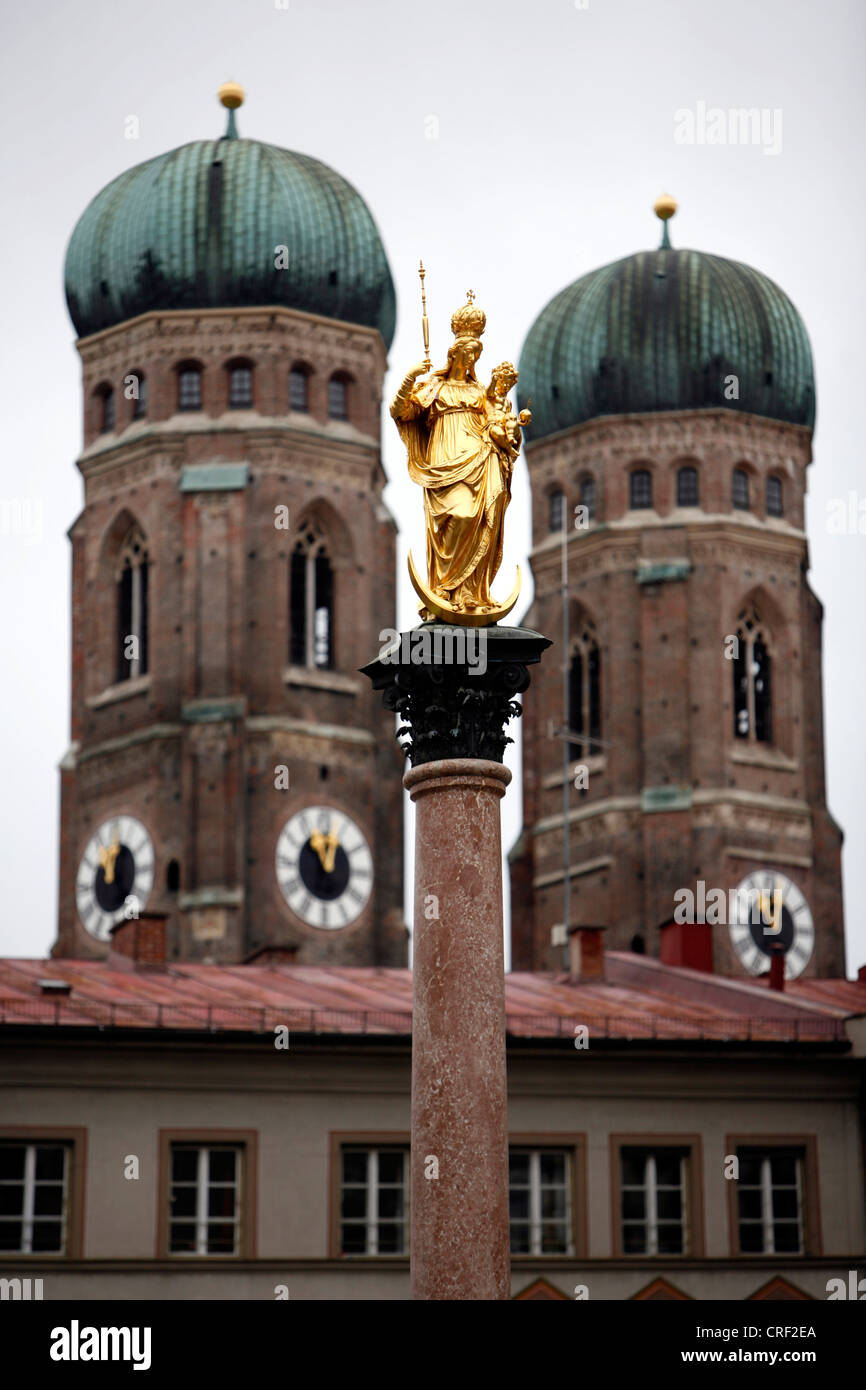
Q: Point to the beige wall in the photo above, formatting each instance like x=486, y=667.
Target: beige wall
x=124, y=1095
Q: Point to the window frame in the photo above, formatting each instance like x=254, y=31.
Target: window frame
x=342, y=378
x=736, y=474
x=311, y=553
x=775, y=479
x=183, y=369
x=139, y=569
x=73, y=1137
x=634, y=506
x=300, y=370
x=588, y=481
x=240, y=364
x=247, y=1140
x=692, y=470
x=360, y=1139
x=811, y=1213
x=574, y=1144
x=554, y=496
x=693, y=1177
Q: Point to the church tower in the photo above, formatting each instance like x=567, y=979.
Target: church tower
x=673, y=405
x=231, y=779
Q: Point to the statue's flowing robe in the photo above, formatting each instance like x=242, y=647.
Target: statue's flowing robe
x=444, y=425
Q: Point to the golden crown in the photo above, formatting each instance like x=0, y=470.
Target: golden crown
x=469, y=321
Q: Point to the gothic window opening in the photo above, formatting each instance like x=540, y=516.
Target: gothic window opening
x=740, y=490
x=587, y=497
x=640, y=489
x=299, y=388
x=189, y=387
x=139, y=402
x=132, y=606
x=106, y=409
x=557, y=510
x=752, y=687
x=338, y=397
x=584, y=694
x=240, y=386
x=311, y=602
x=774, y=496
x=687, y=487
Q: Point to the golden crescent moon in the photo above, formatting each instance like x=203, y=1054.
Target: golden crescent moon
x=443, y=610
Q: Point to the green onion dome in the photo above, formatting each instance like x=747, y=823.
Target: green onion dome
x=666, y=330
x=201, y=227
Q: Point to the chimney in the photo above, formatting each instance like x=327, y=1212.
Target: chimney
x=139, y=942
x=586, y=953
x=689, y=944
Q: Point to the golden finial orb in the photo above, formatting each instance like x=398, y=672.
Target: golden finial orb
x=231, y=94
x=665, y=207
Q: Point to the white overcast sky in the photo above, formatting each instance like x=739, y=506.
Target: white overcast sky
x=555, y=135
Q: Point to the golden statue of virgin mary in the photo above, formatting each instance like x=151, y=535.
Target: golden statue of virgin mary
x=462, y=441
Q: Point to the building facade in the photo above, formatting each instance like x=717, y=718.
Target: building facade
x=233, y=565
x=673, y=405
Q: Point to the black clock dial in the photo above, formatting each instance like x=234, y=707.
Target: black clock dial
x=326, y=886
x=324, y=867
x=775, y=941
x=112, y=896
x=769, y=913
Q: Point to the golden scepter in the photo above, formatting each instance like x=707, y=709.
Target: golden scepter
x=424, y=324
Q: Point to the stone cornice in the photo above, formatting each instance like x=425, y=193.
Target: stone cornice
x=673, y=432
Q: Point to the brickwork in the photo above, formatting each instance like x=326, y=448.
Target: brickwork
x=673, y=795
x=190, y=747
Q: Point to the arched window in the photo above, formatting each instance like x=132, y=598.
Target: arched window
x=240, y=385
x=687, y=486
x=740, y=489
x=338, y=397
x=189, y=386
x=556, y=504
x=752, y=691
x=640, y=489
x=139, y=400
x=587, y=496
x=311, y=602
x=774, y=496
x=584, y=693
x=132, y=634
x=299, y=387
x=106, y=408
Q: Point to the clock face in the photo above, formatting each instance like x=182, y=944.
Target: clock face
x=770, y=910
x=116, y=866
x=324, y=867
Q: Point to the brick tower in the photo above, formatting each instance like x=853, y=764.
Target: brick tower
x=233, y=565
x=673, y=405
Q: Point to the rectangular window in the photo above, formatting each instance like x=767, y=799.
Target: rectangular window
x=557, y=507
x=189, y=389
x=240, y=388
x=297, y=390
x=740, y=490
x=770, y=1201
x=640, y=489
x=34, y=1197
x=374, y=1200
x=337, y=399
x=205, y=1199
x=540, y=1202
x=653, y=1201
x=774, y=496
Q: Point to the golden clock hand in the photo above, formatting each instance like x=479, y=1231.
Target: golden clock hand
x=320, y=845
x=333, y=846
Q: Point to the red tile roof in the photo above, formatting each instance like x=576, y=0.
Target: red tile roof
x=638, y=998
